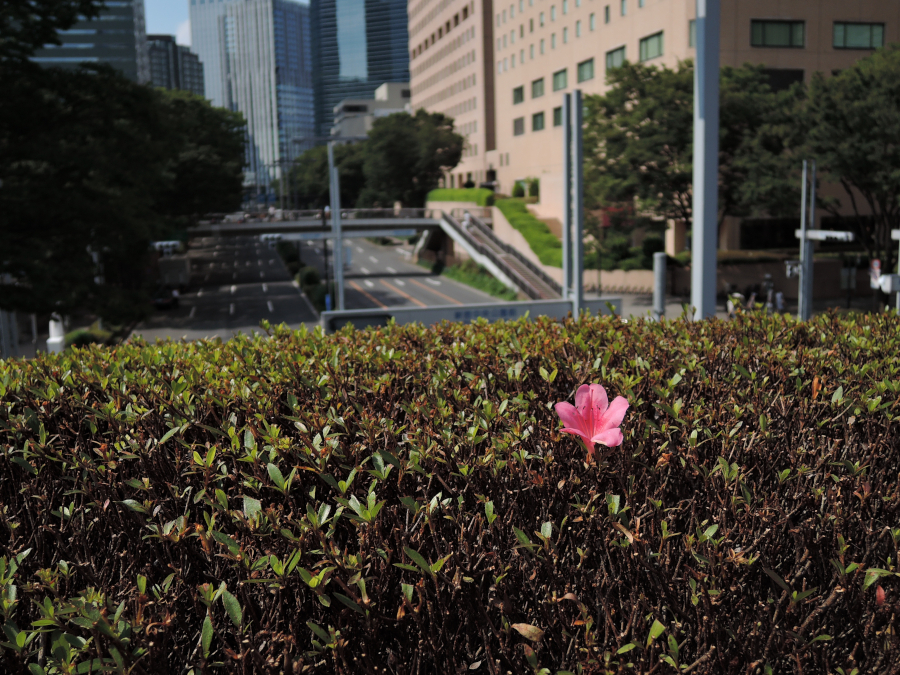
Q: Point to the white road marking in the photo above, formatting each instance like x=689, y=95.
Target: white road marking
x=392, y=270
x=265, y=288
x=359, y=249
x=271, y=309
x=368, y=283
x=200, y=293
x=231, y=308
x=404, y=252
x=193, y=311
x=364, y=270
x=373, y=259
x=233, y=289
x=433, y=282
x=400, y=282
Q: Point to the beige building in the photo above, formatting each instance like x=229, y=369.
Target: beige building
x=545, y=48
x=451, y=71
x=355, y=116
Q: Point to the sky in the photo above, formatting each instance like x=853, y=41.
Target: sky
x=168, y=17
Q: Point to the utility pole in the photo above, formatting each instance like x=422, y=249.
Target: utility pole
x=567, y=197
x=336, y=227
x=706, y=161
x=577, y=200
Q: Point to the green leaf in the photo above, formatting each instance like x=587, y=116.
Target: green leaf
x=352, y=605
x=233, y=608
x=655, y=631
x=417, y=558
x=168, y=435
x=777, y=579
x=440, y=563
x=624, y=649
x=252, y=507
x=838, y=396
x=319, y=631
x=276, y=475
x=824, y=637
x=206, y=635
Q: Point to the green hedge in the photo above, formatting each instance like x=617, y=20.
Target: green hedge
x=478, y=195
x=401, y=500
x=542, y=241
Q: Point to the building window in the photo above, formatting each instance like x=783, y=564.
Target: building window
x=586, y=70
x=692, y=33
x=518, y=126
x=623, y=5
x=521, y=56
x=553, y=13
x=521, y=6
x=776, y=33
x=542, y=46
x=578, y=3
x=560, y=80
x=592, y=22
x=537, y=122
x=530, y=25
x=565, y=6
x=651, y=47
x=858, y=35
x=557, y=116
x=504, y=16
x=552, y=40
x=512, y=37
x=640, y=3
x=578, y=29
x=541, y=19
x=522, y=30
x=518, y=95
x=565, y=35
x=783, y=78
x=606, y=14
x=531, y=51
x=512, y=12
x=615, y=58
x=537, y=88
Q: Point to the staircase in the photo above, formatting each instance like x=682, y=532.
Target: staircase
x=524, y=274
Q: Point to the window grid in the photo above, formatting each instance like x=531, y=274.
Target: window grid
x=858, y=35
x=615, y=58
x=537, y=121
x=777, y=34
x=518, y=95
x=560, y=79
x=586, y=70
x=537, y=88
x=651, y=47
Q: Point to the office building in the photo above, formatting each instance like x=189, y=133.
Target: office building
x=173, y=66
x=355, y=117
x=358, y=46
x=545, y=48
x=116, y=37
x=258, y=61
x=451, y=50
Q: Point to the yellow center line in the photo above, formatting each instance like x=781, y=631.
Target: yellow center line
x=367, y=294
x=431, y=290
x=405, y=295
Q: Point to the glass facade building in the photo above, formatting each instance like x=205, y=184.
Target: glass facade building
x=258, y=61
x=358, y=45
x=173, y=66
x=117, y=37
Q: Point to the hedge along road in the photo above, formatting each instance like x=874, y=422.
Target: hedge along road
x=236, y=282
x=381, y=276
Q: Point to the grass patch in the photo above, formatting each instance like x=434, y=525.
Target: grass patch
x=481, y=196
x=539, y=237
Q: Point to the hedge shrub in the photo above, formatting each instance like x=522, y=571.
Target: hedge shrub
x=402, y=501
x=477, y=195
x=542, y=241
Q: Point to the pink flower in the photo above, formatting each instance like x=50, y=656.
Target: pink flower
x=593, y=418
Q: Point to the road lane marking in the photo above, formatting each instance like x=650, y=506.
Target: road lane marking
x=392, y=270
x=405, y=295
x=193, y=311
x=200, y=293
x=431, y=290
x=265, y=288
x=233, y=289
x=433, y=282
x=400, y=282
x=271, y=309
x=373, y=259
x=369, y=284
x=231, y=308
x=359, y=249
x=364, y=270
x=367, y=294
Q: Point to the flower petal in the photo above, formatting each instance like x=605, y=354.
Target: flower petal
x=577, y=432
x=599, y=404
x=571, y=418
x=612, y=417
x=610, y=438
x=583, y=399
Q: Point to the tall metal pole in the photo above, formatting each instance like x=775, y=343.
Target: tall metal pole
x=801, y=296
x=338, y=254
x=577, y=242
x=567, y=197
x=706, y=161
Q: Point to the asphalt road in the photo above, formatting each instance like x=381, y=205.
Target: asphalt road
x=384, y=276
x=236, y=282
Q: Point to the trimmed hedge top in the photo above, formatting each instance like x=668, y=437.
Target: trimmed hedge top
x=402, y=501
x=477, y=195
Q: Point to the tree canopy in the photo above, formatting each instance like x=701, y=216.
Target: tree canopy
x=402, y=160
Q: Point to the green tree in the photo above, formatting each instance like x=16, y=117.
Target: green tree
x=308, y=178
x=27, y=25
x=639, y=142
x=852, y=123
x=406, y=156
x=205, y=168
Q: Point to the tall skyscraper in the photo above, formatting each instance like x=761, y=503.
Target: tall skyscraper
x=173, y=66
x=117, y=37
x=358, y=46
x=258, y=61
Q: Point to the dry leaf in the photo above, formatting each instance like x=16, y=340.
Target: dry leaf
x=816, y=387
x=528, y=631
